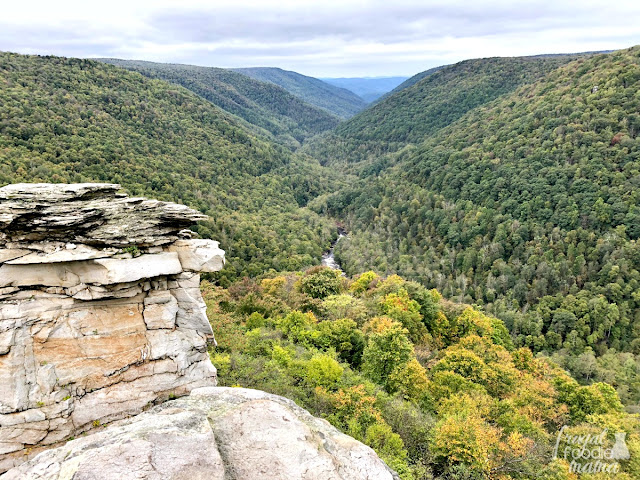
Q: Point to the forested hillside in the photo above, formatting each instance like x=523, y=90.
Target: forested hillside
x=338, y=101
x=437, y=100
x=437, y=389
x=275, y=112
x=529, y=206
x=71, y=120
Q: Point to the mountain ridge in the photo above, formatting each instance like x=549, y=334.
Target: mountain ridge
x=434, y=101
x=272, y=110
x=339, y=101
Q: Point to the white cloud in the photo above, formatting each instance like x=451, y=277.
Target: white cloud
x=320, y=38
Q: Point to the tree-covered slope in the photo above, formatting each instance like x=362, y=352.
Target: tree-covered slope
x=528, y=205
x=437, y=389
x=277, y=113
x=339, y=101
x=437, y=100
x=71, y=120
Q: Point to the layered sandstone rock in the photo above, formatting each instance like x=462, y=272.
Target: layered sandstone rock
x=100, y=310
x=214, y=434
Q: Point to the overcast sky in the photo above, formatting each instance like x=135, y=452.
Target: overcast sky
x=325, y=38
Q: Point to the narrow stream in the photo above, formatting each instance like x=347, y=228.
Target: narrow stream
x=328, y=258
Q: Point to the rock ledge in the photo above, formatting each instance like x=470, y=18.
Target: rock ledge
x=215, y=434
x=100, y=310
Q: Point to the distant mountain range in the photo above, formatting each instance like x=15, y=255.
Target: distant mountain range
x=269, y=109
x=339, y=101
x=367, y=88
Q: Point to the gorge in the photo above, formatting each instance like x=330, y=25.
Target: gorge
x=490, y=292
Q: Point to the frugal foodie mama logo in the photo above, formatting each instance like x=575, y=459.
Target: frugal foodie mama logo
x=591, y=453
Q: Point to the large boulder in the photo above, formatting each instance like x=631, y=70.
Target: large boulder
x=214, y=434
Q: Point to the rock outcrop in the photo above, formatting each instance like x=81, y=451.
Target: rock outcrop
x=100, y=310
x=214, y=434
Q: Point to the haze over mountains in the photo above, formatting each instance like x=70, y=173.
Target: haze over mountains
x=507, y=183
x=368, y=88
x=339, y=101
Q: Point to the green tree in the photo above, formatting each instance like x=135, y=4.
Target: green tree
x=320, y=282
x=385, y=351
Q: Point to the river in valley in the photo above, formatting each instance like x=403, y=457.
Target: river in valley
x=328, y=258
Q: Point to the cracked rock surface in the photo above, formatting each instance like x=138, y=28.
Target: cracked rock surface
x=214, y=434
x=100, y=310
x=90, y=214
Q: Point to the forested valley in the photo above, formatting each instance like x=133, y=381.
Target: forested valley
x=526, y=206
x=492, y=205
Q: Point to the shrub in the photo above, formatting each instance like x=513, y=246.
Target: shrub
x=406, y=311
x=363, y=282
x=386, y=351
x=334, y=307
x=323, y=371
x=255, y=320
x=344, y=337
x=320, y=282
x=410, y=380
x=390, y=447
x=297, y=325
